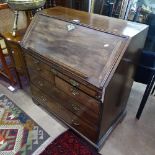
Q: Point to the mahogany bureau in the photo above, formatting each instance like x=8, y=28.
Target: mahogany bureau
x=80, y=72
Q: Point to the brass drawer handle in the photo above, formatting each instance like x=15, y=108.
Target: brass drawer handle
x=36, y=61
x=74, y=83
x=74, y=91
x=75, y=123
x=43, y=99
x=40, y=84
x=76, y=107
x=54, y=71
x=38, y=69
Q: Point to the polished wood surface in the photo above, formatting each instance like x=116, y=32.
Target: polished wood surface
x=14, y=44
x=5, y=69
x=59, y=45
x=52, y=105
x=90, y=69
x=3, y=6
x=77, y=94
x=112, y=25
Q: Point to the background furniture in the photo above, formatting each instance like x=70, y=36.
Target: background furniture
x=146, y=74
x=14, y=43
x=7, y=19
x=7, y=63
x=149, y=90
x=146, y=69
x=150, y=41
x=6, y=22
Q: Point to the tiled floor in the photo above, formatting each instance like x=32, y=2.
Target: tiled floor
x=131, y=137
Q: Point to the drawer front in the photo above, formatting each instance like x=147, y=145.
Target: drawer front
x=65, y=100
x=71, y=104
x=82, y=87
x=41, y=68
x=75, y=107
x=77, y=94
x=68, y=117
x=40, y=82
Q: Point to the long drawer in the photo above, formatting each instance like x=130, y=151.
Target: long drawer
x=77, y=94
x=67, y=116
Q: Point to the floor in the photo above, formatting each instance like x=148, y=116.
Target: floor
x=131, y=137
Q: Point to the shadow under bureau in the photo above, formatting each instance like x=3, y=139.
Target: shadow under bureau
x=78, y=73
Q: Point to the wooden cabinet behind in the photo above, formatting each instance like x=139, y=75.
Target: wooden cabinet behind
x=17, y=53
x=80, y=73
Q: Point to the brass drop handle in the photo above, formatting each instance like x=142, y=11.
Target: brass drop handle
x=43, y=99
x=54, y=71
x=76, y=107
x=36, y=61
x=40, y=83
x=74, y=83
x=74, y=91
x=75, y=123
x=38, y=69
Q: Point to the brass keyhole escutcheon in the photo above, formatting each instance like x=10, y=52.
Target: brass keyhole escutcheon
x=76, y=107
x=74, y=91
x=75, y=123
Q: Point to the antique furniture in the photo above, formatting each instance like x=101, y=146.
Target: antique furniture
x=82, y=72
x=14, y=43
x=7, y=63
x=25, y=5
x=6, y=58
x=14, y=48
x=7, y=19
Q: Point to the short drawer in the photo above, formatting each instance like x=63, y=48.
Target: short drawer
x=82, y=87
x=68, y=117
x=40, y=82
x=38, y=66
x=77, y=94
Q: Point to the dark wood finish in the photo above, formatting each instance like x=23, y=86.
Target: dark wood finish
x=4, y=6
x=77, y=94
x=5, y=70
x=146, y=95
x=91, y=67
x=53, y=106
x=38, y=66
x=14, y=44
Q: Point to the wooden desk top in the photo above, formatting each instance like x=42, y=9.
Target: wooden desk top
x=85, y=50
x=112, y=25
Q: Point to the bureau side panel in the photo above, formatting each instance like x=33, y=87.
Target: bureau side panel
x=116, y=96
x=118, y=90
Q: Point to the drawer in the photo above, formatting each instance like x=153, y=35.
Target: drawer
x=68, y=117
x=82, y=87
x=75, y=107
x=77, y=94
x=38, y=66
x=40, y=82
x=68, y=102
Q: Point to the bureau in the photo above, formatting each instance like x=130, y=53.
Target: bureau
x=79, y=72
